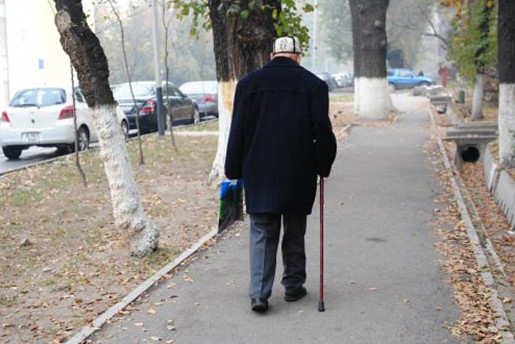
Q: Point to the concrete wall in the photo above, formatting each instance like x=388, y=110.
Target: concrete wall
x=501, y=186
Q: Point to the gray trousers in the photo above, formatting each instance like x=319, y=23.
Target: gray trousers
x=264, y=239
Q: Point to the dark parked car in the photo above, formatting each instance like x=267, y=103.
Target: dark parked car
x=184, y=109
x=405, y=78
x=329, y=80
x=205, y=94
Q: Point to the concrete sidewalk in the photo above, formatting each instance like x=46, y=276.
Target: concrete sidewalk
x=382, y=279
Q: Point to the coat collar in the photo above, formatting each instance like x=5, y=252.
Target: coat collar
x=281, y=62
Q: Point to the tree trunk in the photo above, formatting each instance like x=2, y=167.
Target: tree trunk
x=371, y=95
x=240, y=46
x=88, y=59
x=477, y=100
x=484, y=29
x=506, y=61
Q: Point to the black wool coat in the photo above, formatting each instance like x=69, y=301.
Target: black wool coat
x=280, y=138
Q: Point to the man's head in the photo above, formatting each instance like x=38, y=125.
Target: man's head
x=287, y=47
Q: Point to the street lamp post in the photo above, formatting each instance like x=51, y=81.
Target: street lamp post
x=313, y=48
x=159, y=86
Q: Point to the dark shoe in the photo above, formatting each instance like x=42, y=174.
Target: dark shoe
x=295, y=295
x=259, y=305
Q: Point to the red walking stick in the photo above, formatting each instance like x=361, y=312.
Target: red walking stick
x=321, y=306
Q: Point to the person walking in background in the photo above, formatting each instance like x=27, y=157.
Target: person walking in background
x=444, y=74
x=280, y=139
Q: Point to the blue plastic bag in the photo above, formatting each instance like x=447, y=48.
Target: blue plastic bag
x=231, y=203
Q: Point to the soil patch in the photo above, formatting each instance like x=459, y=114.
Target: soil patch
x=64, y=261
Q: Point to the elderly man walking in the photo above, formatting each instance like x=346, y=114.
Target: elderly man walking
x=281, y=138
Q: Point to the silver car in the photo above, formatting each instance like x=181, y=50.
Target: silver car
x=205, y=94
x=43, y=116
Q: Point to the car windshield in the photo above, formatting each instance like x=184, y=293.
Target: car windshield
x=39, y=97
x=140, y=90
x=199, y=87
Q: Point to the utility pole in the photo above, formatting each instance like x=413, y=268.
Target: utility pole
x=159, y=84
x=313, y=48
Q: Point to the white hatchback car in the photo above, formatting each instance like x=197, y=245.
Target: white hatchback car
x=43, y=116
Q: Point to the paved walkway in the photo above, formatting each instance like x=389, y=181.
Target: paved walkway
x=382, y=279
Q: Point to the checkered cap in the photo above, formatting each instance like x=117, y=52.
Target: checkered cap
x=287, y=45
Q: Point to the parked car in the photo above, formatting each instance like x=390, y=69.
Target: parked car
x=400, y=78
x=329, y=80
x=205, y=94
x=43, y=116
x=184, y=109
x=344, y=79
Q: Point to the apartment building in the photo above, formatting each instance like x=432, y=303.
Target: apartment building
x=31, y=53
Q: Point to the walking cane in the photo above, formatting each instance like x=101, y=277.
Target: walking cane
x=321, y=306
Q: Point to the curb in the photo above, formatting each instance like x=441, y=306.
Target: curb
x=502, y=323
x=104, y=317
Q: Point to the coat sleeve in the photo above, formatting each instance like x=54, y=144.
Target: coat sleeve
x=325, y=141
x=235, y=144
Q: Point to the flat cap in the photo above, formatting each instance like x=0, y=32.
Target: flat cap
x=287, y=44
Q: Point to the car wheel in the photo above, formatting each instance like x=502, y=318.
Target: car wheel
x=391, y=87
x=195, y=117
x=83, y=138
x=66, y=149
x=12, y=152
x=125, y=129
x=424, y=83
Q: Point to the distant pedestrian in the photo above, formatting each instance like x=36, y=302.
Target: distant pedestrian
x=444, y=74
x=281, y=138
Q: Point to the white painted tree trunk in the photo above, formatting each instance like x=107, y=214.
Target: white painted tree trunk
x=477, y=99
x=226, y=92
x=507, y=125
x=128, y=211
x=371, y=98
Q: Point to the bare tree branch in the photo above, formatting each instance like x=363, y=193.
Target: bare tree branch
x=77, y=160
x=136, y=107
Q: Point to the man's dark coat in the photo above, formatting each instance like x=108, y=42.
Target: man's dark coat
x=281, y=138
